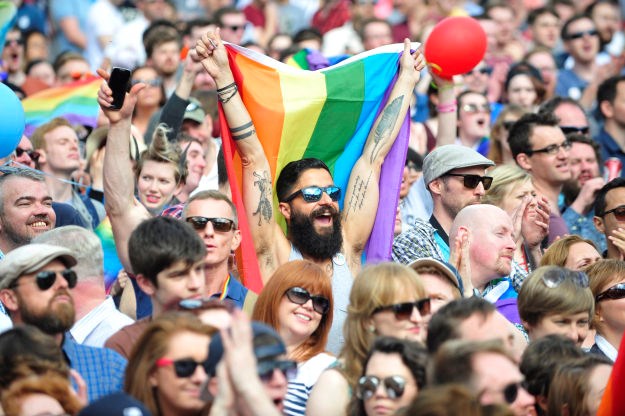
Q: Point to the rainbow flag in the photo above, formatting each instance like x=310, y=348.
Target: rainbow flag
x=326, y=114
x=76, y=102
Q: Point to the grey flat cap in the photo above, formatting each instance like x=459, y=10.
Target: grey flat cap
x=29, y=259
x=449, y=157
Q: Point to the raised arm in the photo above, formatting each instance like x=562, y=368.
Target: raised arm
x=362, y=193
x=123, y=209
x=272, y=247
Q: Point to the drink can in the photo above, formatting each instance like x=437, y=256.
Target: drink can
x=612, y=168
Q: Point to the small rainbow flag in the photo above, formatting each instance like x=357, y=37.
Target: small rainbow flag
x=76, y=102
x=326, y=114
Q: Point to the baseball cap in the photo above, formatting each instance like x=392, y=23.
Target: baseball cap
x=267, y=344
x=30, y=258
x=117, y=404
x=194, y=111
x=449, y=157
x=445, y=268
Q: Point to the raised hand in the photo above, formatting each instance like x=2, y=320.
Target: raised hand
x=212, y=54
x=105, y=99
x=411, y=64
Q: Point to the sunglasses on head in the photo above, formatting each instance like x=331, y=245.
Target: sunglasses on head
x=267, y=368
x=300, y=296
x=579, y=35
x=472, y=181
x=613, y=293
x=184, y=367
x=45, y=280
x=554, y=278
x=221, y=225
x=573, y=129
x=368, y=385
x=314, y=193
x=619, y=213
x=33, y=154
x=403, y=311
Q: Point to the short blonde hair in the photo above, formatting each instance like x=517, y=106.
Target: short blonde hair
x=504, y=178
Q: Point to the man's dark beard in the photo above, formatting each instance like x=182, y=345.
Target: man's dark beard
x=570, y=190
x=51, y=321
x=312, y=244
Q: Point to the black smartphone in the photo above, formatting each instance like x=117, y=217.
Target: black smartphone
x=118, y=82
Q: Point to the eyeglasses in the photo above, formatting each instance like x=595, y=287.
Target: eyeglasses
x=46, y=279
x=484, y=71
x=403, y=311
x=579, y=35
x=552, y=149
x=613, y=293
x=475, y=108
x=17, y=42
x=368, y=385
x=32, y=154
x=266, y=369
x=184, y=367
x=508, y=124
x=554, y=278
x=222, y=225
x=150, y=82
x=234, y=28
x=472, y=181
x=314, y=193
x=619, y=213
x=300, y=296
x=573, y=129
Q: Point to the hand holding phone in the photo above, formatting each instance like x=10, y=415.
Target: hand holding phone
x=118, y=83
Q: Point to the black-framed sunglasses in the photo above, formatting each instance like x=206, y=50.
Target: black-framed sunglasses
x=574, y=129
x=300, y=296
x=554, y=278
x=487, y=70
x=184, y=367
x=314, y=193
x=17, y=42
x=222, y=225
x=404, y=310
x=510, y=391
x=368, y=385
x=45, y=279
x=615, y=292
x=619, y=212
x=266, y=369
x=32, y=154
x=579, y=35
x=472, y=181
x=552, y=149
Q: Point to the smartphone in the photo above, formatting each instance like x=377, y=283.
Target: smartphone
x=118, y=82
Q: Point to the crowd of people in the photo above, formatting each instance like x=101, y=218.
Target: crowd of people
x=120, y=291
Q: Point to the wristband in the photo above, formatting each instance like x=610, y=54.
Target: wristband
x=451, y=107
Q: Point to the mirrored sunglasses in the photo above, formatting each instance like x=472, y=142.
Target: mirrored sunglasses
x=368, y=385
x=613, y=293
x=314, y=193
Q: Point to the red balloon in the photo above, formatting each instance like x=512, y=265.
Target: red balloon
x=455, y=46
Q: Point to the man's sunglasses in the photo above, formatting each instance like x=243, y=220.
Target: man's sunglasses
x=472, y=181
x=267, y=368
x=46, y=279
x=554, y=278
x=314, y=193
x=368, y=385
x=300, y=296
x=573, y=129
x=16, y=42
x=579, y=35
x=619, y=213
x=184, y=367
x=33, y=154
x=613, y=293
x=222, y=225
x=403, y=311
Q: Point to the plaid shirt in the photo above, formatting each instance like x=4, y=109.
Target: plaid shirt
x=101, y=368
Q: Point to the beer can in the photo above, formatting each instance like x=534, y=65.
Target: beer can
x=612, y=168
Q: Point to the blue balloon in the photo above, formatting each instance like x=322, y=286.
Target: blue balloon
x=11, y=121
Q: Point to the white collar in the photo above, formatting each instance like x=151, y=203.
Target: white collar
x=606, y=347
x=88, y=323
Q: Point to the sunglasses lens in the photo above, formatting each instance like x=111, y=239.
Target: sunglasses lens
x=321, y=304
x=198, y=223
x=615, y=293
x=424, y=306
x=619, y=214
x=184, y=368
x=221, y=224
x=298, y=295
x=487, y=181
x=394, y=387
x=312, y=194
x=403, y=310
x=45, y=280
x=510, y=393
x=19, y=151
x=471, y=181
x=334, y=192
x=367, y=387
x=71, y=278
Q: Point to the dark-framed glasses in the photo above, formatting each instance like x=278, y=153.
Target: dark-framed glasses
x=581, y=34
x=16, y=42
x=472, y=181
x=184, y=367
x=368, y=385
x=552, y=149
x=619, y=212
x=554, y=278
x=45, y=279
x=404, y=310
x=314, y=193
x=32, y=154
x=266, y=369
x=222, y=225
x=613, y=293
x=300, y=296
x=574, y=129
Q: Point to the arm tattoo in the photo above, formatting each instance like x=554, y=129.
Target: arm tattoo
x=359, y=194
x=245, y=131
x=241, y=128
x=264, y=209
x=386, y=124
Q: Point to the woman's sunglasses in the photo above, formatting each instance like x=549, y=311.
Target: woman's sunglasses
x=368, y=385
x=403, y=311
x=554, y=278
x=222, y=225
x=613, y=293
x=300, y=296
x=184, y=367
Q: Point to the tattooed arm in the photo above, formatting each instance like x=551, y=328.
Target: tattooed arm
x=272, y=246
x=362, y=195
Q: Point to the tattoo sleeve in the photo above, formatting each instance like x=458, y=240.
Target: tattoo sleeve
x=264, y=210
x=385, y=126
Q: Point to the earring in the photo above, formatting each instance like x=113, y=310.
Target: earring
x=371, y=329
